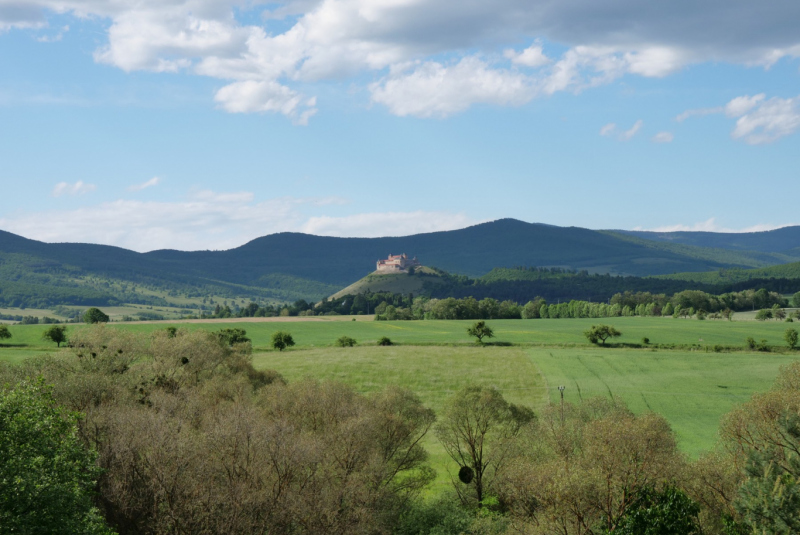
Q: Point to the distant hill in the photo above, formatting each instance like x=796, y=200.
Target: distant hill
x=402, y=283
x=728, y=276
x=784, y=240
x=290, y=266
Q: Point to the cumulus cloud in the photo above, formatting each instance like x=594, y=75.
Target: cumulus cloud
x=437, y=90
x=628, y=134
x=767, y=121
x=758, y=120
x=374, y=225
x=78, y=188
x=155, y=181
x=663, y=137
x=315, y=40
x=711, y=225
x=532, y=56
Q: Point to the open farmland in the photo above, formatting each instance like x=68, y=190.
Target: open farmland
x=692, y=386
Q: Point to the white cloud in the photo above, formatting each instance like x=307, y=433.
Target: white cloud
x=204, y=220
x=663, y=137
x=323, y=40
x=78, y=188
x=608, y=129
x=252, y=96
x=710, y=225
x=373, y=225
x=207, y=219
x=768, y=121
x=741, y=105
x=437, y=90
x=155, y=181
x=628, y=134
x=759, y=121
x=533, y=56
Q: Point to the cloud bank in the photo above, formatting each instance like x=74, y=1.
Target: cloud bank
x=427, y=58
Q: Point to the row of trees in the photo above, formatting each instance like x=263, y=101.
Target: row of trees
x=683, y=304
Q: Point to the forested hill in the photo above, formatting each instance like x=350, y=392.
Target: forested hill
x=784, y=240
x=289, y=266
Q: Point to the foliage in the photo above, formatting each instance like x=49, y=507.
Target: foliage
x=666, y=512
x=47, y=477
x=601, y=333
x=585, y=473
x=232, y=336
x=384, y=341
x=480, y=330
x=56, y=333
x=4, y=332
x=477, y=430
x=790, y=336
x=95, y=315
x=345, y=341
x=764, y=314
x=281, y=340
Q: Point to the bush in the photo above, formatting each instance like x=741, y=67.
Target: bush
x=281, y=340
x=645, y=341
x=95, y=315
x=791, y=338
x=4, y=332
x=384, y=341
x=47, y=477
x=345, y=341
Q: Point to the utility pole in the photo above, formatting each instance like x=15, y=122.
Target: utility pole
x=561, y=389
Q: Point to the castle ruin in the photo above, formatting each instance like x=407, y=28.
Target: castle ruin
x=397, y=264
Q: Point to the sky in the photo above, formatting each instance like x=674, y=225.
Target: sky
x=203, y=124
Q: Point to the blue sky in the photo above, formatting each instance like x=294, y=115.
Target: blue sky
x=202, y=124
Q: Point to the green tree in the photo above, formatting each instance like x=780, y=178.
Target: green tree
x=56, y=333
x=281, y=340
x=796, y=300
x=791, y=338
x=46, y=476
x=231, y=337
x=476, y=431
x=5, y=334
x=95, y=315
x=480, y=331
x=668, y=512
x=764, y=314
x=601, y=333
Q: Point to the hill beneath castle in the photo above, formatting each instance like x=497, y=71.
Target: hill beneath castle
x=289, y=266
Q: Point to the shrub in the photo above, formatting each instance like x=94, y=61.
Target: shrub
x=645, y=341
x=281, y=340
x=4, y=332
x=384, y=341
x=345, y=341
x=750, y=342
x=791, y=338
x=95, y=315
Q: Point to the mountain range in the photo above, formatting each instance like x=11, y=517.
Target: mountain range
x=288, y=266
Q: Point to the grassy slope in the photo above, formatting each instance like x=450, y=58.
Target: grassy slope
x=389, y=282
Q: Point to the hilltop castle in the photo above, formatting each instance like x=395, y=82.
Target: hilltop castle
x=397, y=264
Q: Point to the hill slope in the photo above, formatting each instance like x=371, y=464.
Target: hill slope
x=288, y=266
x=783, y=240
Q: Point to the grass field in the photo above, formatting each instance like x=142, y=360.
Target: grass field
x=566, y=332
x=691, y=388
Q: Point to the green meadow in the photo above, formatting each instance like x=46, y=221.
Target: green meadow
x=692, y=385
